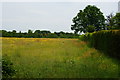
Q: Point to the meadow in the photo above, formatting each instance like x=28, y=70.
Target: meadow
x=57, y=58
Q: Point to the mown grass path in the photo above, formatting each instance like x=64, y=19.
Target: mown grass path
x=57, y=58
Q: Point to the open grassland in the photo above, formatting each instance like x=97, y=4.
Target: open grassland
x=57, y=58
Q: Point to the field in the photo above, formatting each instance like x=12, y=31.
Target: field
x=57, y=58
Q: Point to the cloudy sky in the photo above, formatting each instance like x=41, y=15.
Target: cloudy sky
x=53, y=16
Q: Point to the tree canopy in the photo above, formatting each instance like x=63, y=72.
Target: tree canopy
x=117, y=20
x=110, y=21
x=88, y=20
x=113, y=22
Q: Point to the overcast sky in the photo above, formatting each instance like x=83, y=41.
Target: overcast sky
x=53, y=16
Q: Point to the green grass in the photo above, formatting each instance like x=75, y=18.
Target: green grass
x=57, y=58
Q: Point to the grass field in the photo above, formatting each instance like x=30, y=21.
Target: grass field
x=57, y=58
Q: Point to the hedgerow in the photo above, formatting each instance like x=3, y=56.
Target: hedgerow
x=107, y=41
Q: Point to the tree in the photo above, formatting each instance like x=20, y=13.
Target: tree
x=45, y=32
x=13, y=33
x=117, y=21
x=0, y=33
x=4, y=33
x=89, y=18
x=110, y=21
x=29, y=31
x=37, y=33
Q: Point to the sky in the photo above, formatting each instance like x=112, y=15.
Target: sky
x=52, y=16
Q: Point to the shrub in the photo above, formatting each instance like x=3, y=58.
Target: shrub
x=107, y=41
x=8, y=70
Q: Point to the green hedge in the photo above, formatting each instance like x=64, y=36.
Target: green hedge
x=107, y=41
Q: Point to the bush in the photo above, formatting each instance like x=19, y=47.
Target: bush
x=107, y=41
x=8, y=70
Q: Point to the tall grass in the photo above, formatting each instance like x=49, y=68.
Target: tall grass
x=57, y=58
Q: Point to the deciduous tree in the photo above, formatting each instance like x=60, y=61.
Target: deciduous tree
x=88, y=20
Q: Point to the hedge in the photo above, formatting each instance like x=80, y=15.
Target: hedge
x=107, y=41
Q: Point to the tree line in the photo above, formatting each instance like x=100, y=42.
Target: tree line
x=88, y=20
x=37, y=34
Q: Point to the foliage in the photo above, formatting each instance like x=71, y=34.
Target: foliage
x=90, y=28
x=91, y=17
x=107, y=41
x=8, y=70
x=0, y=33
x=117, y=20
x=113, y=22
x=38, y=34
x=110, y=21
